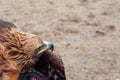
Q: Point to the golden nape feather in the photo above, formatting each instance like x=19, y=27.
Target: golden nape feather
x=16, y=51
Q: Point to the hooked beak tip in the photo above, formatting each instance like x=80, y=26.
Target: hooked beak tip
x=50, y=45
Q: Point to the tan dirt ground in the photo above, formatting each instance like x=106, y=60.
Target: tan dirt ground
x=85, y=32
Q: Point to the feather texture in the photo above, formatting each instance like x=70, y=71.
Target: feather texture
x=16, y=51
x=16, y=48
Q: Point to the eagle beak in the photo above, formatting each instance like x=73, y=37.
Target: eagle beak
x=46, y=46
x=49, y=45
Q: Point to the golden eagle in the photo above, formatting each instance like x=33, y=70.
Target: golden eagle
x=19, y=56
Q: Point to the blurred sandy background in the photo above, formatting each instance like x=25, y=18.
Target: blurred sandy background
x=86, y=33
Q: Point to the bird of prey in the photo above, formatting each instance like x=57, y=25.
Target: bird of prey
x=23, y=56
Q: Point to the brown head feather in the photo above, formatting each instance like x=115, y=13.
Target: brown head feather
x=16, y=47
